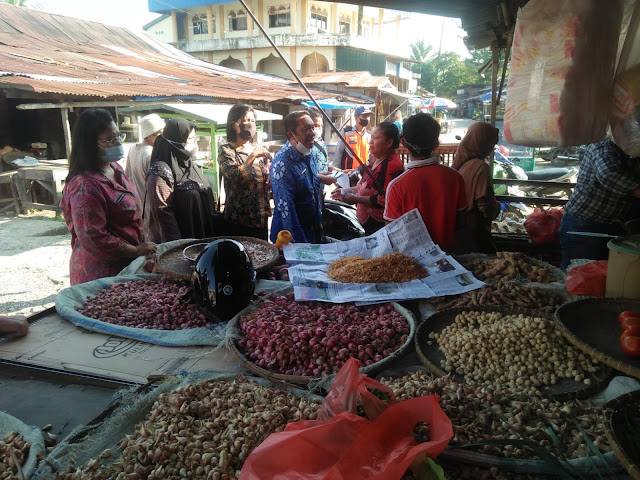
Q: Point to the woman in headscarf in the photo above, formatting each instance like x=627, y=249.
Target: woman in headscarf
x=178, y=197
x=99, y=203
x=471, y=160
x=246, y=180
x=385, y=165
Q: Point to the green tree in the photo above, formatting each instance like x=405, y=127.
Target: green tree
x=420, y=52
x=19, y=3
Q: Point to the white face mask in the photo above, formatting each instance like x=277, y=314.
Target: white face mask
x=302, y=149
x=191, y=149
x=318, y=134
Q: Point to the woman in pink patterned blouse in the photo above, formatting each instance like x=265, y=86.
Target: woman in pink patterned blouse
x=99, y=204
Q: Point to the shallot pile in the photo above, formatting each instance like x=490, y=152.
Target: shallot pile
x=203, y=431
x=314, y=339
x=13, y=453
x=155, y=304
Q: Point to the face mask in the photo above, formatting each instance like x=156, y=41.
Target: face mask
x=317, y=132
x=112, y=154
x=191, y=149
x=304, y=151
x=364, y=121
x=247, y=130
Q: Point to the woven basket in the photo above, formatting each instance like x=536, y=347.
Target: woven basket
x=430, y=355
x=558, y=273
x=174, y=264
x=616, y=425
x=304, y=380
x=591, y=324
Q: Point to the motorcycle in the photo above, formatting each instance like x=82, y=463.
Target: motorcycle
x=563, y=156
x=339, y=221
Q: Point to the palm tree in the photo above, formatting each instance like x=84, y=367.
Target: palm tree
x=420, y=52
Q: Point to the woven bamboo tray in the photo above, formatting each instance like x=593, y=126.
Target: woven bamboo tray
x=174, y=264
x=617, y=427
x=591, y=324
x=430, y=355
x=299, y=380
x=558, y=273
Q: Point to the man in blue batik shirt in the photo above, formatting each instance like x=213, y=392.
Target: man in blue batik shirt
x=296, y=187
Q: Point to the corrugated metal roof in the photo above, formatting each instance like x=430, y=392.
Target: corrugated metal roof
x=53, y=54
x=350, y=79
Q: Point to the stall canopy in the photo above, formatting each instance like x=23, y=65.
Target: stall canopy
x=487, y=96
x=335, y=104
x=199, y=111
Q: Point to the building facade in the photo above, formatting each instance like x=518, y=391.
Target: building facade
x=314, y=37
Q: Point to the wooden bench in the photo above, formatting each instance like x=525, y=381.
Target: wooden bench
x=8, y=178
x=51, y=177
x=446, y=152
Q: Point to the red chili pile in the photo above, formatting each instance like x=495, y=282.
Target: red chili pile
x=315, y=339
x=155, y=304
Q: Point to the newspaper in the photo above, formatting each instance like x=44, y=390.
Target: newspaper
x=409, y=235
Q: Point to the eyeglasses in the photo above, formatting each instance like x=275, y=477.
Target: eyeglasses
x=114, y=140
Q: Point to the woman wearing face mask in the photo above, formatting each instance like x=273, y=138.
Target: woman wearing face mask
x=178, y=200
x=246, y=181
x=99, y=204
x=385, y=165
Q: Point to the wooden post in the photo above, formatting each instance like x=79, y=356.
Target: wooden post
x=66, y=128
x=494, y=81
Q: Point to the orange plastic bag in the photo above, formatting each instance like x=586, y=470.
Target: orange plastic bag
x=351, y=447
x=542, y=225
x=588, y=279
x=351, y=388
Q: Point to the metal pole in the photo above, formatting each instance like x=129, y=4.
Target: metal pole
x=367, y=170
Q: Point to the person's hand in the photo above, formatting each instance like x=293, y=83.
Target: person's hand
x=146, y=248
x=16, y=324
x=349, y=198
x=337, y=195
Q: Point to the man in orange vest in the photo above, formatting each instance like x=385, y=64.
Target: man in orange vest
x=358, y=140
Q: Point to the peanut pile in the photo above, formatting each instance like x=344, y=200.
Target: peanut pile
x=13, y=447
x=519, y=352
x=503, y=293
x=203, y=431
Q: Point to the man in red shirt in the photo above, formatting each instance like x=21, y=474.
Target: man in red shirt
x=437, y=191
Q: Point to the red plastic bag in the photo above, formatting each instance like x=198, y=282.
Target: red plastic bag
x=351, y=447
x=588, y=279
x=542, y=225
x=351, y=388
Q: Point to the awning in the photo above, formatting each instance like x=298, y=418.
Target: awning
x=335, y=104
x=401, y=97
x=204, y=112
x=487, y=96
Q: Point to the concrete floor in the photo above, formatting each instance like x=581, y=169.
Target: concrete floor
x=36, y=401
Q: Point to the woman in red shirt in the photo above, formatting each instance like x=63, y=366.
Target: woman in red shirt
x=385, y=165
x=99, y=205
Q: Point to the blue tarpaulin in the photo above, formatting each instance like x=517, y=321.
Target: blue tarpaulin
x=333, y=104
x=487, y=96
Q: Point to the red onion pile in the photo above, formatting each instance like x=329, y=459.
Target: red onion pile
x=315, y=339
x=155, y=304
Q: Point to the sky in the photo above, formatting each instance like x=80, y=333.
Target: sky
x=134, y=14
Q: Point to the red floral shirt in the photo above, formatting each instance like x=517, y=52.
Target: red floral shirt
x=366, y=188
x=100, y=214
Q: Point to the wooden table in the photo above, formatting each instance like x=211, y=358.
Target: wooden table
x=50, y=176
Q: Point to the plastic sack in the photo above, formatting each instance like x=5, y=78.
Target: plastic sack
x=351, y=389
x=588, y=279
x=351, y=447
x=561, y=72
x=542, y=225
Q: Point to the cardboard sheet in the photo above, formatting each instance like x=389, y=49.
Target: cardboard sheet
x=55, y=343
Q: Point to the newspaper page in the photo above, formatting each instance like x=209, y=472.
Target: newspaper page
x=409, y=235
